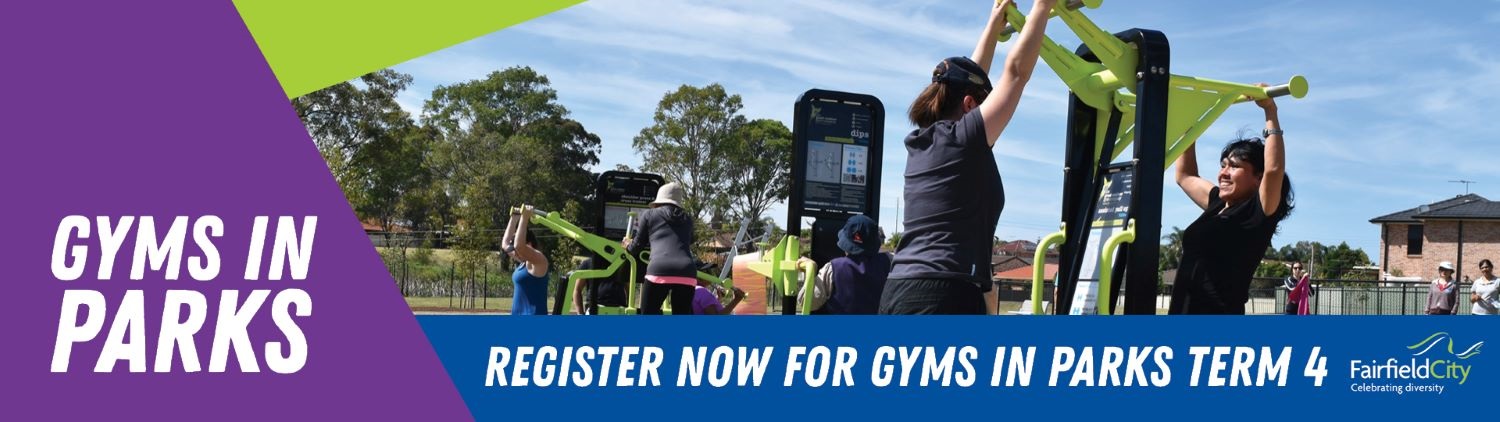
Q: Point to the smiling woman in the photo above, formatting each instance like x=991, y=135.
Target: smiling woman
x=1223, y=247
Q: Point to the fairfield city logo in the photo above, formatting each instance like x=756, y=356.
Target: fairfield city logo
x=1433, y=365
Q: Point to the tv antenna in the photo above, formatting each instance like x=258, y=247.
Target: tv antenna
x=1466, y=184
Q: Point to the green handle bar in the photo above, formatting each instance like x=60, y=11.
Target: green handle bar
x=608, y=249
x=1039, y=268
x=1106, y=264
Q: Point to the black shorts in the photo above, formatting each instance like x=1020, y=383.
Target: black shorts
x=932, y=297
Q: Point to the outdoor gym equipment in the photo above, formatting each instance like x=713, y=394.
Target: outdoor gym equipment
x=779, y=263
x=609, y=250
x=719, y=285
x=1115, y=78
x=836, y=155
x=616, y=195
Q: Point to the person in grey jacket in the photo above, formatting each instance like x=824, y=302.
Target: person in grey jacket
x=667, y=230
x=1442, y=295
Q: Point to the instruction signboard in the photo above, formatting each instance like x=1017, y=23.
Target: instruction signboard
x=1111, y=216
x=621, y=193
x=836, y=163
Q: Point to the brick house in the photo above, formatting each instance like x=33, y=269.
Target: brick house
x=1461, y=230
x=1024, y=248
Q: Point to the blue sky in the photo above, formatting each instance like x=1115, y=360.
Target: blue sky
x=1402, y=101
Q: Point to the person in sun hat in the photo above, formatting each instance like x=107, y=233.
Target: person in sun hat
x=953, y=186
x=1443, y=293
x=667, y=230
x=853, y=283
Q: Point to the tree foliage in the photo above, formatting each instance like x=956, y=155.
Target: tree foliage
x=505, y=141
x=692, y=137
x=378, y=154
x=482, y=146
x=761, y=158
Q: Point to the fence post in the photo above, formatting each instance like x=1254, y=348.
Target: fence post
x=1404, y=296
x=486, y=284
x=403, y=268
x=452, y=268
x=1315, y=299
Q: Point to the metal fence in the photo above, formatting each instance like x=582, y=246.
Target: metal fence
x=1367, y=297
x=482, y=286
x=1268, y=297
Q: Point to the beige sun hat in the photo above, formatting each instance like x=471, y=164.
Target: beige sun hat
x=671, y=193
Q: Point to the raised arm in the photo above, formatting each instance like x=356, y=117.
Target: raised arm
x=536, y=263
x=1000, y=106
x=510, y=230
x=984, y=51
x=634, y=245
x=1186, y=170
x=1275, y=172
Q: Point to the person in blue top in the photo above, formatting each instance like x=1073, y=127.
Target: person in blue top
x=953, y=188
x=530, y=278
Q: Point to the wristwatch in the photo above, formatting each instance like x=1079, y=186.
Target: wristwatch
x=1268, y=132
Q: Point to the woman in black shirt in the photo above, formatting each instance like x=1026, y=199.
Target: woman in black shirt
x=953, y=188
x=1224, y=246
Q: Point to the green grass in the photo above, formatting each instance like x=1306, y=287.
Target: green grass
x=451, y=304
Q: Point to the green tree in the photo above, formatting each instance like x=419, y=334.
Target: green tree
x=506, y=141
x=1325, y=262
x=1170, y=254
x=760, y=163
x=1272, y=269
x=892, y=241
x=376, y=151
x=1335, y=261
x=690, y=141
x=516, y=103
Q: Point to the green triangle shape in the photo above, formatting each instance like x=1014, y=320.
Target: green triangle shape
x=311, y=45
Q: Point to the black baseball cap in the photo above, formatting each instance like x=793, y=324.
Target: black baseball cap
x=961, y=71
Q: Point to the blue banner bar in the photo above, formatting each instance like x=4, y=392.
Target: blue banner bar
x=884, y=368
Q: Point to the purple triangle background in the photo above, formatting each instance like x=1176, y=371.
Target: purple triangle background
x=167, y=109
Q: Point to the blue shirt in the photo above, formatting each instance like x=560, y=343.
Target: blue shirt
x=954, y=197
x=530, y=293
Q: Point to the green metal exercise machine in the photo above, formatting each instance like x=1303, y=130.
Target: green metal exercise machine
x=609, y=250
x=1122, y=94
x=837, y=144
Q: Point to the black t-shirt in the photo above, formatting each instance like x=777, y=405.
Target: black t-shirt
x=608, y=291
x=1220, y=252
x=953, y=201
